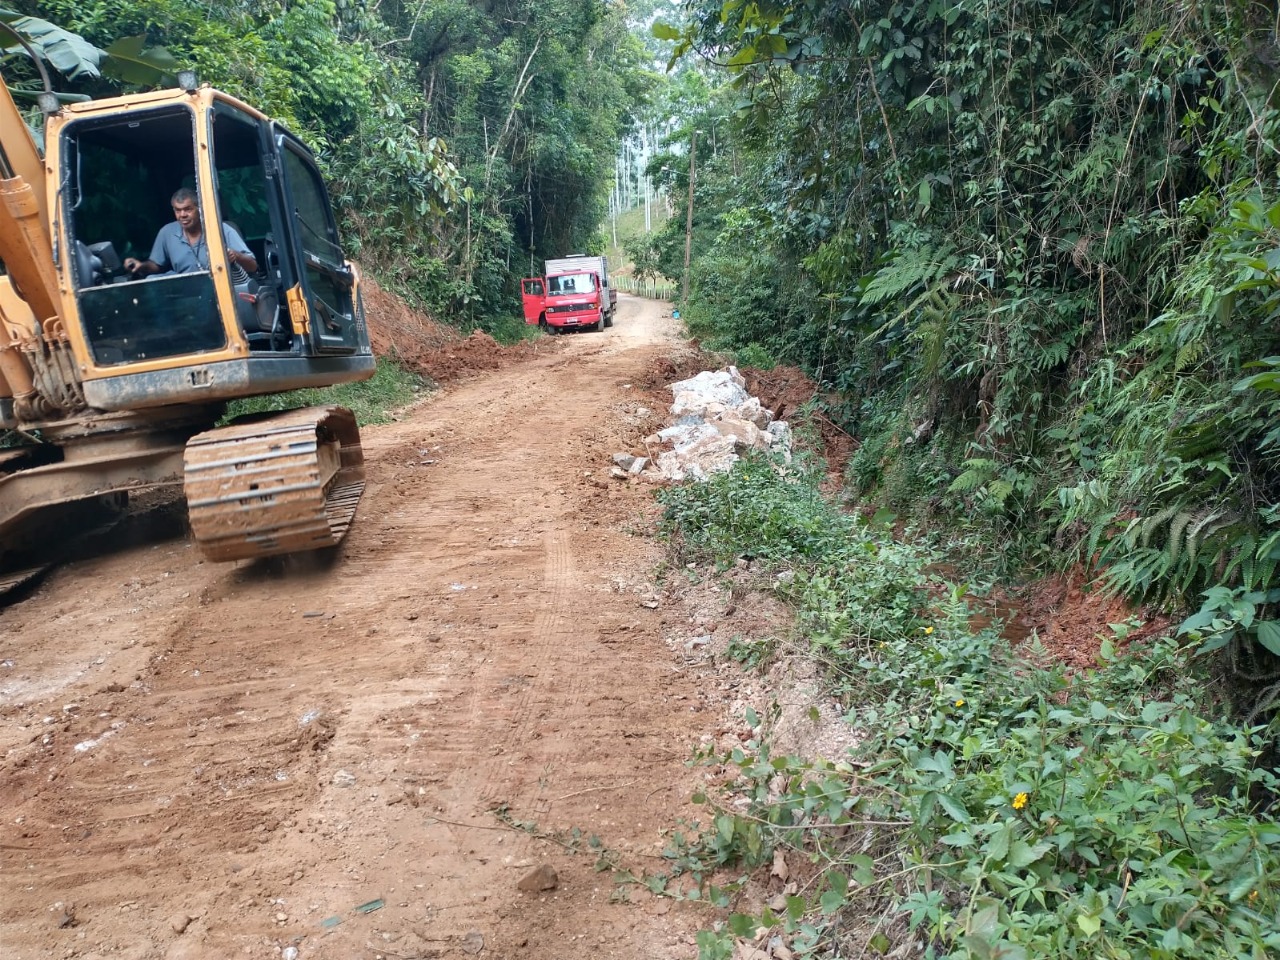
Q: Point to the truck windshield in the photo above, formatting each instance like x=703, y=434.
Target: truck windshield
x=571, y=283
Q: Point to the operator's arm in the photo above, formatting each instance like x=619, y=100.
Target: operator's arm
x=244, y=260
x=153, y=264
x=238, y=251
x=141, y=268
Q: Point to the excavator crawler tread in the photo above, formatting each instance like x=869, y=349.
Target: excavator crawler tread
x=12, y=579
x=282, y=484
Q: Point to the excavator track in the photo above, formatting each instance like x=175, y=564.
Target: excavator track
x=285, y=483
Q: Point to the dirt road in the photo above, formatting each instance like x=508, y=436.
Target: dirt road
x=210, y=761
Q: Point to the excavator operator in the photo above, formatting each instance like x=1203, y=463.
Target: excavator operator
x=180, y=246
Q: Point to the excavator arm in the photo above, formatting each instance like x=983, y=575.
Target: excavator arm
x=33, y=354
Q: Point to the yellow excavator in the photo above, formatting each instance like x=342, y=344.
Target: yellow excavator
x=111, y=384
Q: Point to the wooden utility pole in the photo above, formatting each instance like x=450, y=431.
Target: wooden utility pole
x=688, y=220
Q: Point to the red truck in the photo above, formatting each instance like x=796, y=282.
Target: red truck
x=575, y=293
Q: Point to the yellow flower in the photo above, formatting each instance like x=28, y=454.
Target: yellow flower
x=1019, y=801
x=928, y=630
x=960, y=703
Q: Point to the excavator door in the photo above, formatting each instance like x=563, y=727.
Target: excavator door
x=324, y=299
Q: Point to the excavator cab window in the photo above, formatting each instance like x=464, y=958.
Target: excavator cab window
x=118, y=175
x=245, y=189
x=327, y=283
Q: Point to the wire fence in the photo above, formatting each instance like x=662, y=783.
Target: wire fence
x=652, y=289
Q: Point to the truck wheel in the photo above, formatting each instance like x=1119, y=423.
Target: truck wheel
x=608, y=319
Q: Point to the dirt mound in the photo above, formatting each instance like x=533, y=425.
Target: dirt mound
x=395, y=328
x=472, y=354
x=679, y=365
x=430, y=348
x=786, y=391
x=1071, y=615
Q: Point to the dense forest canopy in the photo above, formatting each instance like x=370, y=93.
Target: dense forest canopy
x=1033, y=246
x=463, y=142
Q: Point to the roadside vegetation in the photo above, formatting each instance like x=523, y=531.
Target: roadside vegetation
x=994, y=807
x=1032, y=250
x=375, y=400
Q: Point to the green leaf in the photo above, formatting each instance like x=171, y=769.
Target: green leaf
x=664, y=31
x=724, y=828
x=1197, y=621
x=1268, y=634
x=70, y=53
x=864, y=869
x=955, y=810
x=743, y=925
x=998, y=846
x=1088, y=924
x=1022, y=854
x=985, y=922
x=130, y=60
x=796, y=908
x=838, y=882
x=830, y=902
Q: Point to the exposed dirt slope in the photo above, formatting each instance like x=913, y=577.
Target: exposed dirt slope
x=434, y=349
x=212, y=761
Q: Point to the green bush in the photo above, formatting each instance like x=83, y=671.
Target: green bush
x=993, y=807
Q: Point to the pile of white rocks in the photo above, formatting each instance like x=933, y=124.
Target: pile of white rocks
x=714, y=421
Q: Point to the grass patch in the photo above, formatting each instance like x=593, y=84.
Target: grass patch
x=508, y=329
x=372, y=401
x=994, y=808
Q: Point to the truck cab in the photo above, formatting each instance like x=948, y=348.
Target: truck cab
x=574, y=294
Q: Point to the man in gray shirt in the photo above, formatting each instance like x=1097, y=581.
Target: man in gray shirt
x=180, y=246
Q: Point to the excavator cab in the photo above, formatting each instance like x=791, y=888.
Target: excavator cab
x=110, y=384
x=216, y=333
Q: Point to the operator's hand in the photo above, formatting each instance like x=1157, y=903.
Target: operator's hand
x=131, y=264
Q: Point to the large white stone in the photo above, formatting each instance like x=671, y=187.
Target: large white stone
x=747, y=435
x=724, y=387
x=751, y=410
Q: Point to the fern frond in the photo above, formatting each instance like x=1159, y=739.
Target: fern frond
x=1176, y=529
x=1153, y=523
x=907, y=270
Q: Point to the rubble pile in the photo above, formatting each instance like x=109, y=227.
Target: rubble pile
x=715, y=420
